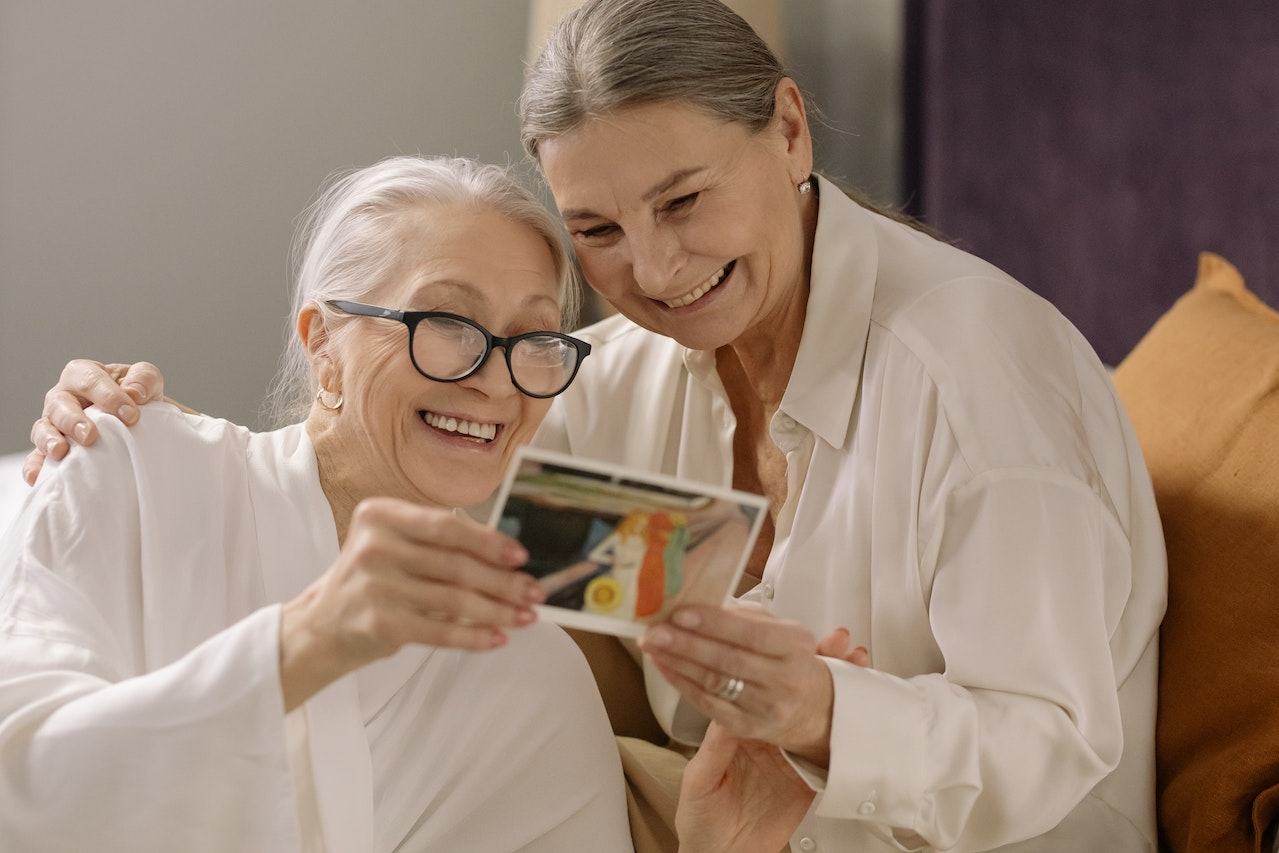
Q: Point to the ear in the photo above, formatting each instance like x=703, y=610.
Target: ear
x=790, y=117
x=311, y=329
x=314, y=335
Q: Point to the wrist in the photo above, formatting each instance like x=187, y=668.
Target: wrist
x=811, y=738
x=307, y=665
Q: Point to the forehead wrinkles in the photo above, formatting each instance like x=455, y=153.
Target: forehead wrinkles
x=484, y=290
x=473, y=241
x=583, y=167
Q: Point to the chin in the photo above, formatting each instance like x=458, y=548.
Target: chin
x=465, y=488
x=697, y=336
x=704, y=330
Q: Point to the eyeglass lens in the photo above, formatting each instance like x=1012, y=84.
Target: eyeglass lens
x=446, y=349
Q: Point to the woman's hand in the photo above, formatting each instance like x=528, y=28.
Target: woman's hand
x=786, y=693
x=116, y=388
x=739, y=796
x=406, y=574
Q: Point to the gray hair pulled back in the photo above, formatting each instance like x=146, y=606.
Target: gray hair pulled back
x=608, y=54
x=347, y=245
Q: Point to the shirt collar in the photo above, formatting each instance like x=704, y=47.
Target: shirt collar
x=824, y=382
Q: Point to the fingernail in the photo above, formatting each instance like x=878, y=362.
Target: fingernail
x=50, y=446
x=534, y=594
x=686, y=619
x=516, y=553
x=524, y=616
x=81, y=432
x=128, y=413
x=659, y=637
x=135, y=390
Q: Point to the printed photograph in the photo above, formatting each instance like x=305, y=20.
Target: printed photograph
x=617, y=550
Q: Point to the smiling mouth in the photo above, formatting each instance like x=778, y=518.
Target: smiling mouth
x=702, y=289
x=480, y=433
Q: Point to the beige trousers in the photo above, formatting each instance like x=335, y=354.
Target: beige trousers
x=653, y=771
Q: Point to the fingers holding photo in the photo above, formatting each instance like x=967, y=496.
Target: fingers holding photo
x=758, y=676
x=405, y=574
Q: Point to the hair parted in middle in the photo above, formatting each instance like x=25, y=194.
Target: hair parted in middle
x=608, y=54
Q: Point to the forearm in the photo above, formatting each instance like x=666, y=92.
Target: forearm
x=192, y=750
x=307, y=664
x=924, y=759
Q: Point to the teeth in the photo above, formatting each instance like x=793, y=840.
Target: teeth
x=697, y=294
x=485, y=432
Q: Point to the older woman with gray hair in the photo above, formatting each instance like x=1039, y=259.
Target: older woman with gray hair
x=954, y=483
x=213, y=639
x=953, y=479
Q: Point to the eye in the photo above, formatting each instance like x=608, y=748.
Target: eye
x=681, y=202
x=598, y=232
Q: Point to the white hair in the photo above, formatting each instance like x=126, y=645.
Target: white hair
x=347, y=244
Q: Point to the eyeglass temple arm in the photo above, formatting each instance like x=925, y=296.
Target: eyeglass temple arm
x=363, y=310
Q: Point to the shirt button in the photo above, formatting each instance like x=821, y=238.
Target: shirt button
x=767, y=590
x=807, y=844
x=786, y=422
x=866, y=809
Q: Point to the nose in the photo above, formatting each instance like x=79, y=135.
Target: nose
x=656, y=259
x=493, y=378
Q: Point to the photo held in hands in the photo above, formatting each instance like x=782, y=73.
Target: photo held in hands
x=617, y=550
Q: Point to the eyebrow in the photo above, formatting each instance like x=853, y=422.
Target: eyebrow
x=429, y=285
x=663, y=186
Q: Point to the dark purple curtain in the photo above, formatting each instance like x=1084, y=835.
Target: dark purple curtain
x=1093, y=148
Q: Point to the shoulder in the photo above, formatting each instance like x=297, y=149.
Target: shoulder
x=961, y=314
x=621, y=400
x=165, y=429
x=624, y=355
x=164, y=441
x=618, y=337
x=1018, y=383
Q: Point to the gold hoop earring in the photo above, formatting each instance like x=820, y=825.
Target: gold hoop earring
x=325, y=398
x=805, y=186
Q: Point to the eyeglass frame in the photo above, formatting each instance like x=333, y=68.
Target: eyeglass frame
x=491, y=341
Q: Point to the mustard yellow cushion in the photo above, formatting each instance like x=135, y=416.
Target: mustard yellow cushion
x=1202, y=389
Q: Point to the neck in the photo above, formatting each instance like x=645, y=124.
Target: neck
x=334, y=468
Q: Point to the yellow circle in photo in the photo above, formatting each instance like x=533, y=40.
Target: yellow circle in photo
x=603, y=594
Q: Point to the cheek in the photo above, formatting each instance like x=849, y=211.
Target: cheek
x=374, y=370
x=535, y=412
x=532, y=413
x=730, y=230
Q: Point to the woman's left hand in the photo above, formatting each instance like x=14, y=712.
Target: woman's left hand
x=739, y=796
x=785, y=695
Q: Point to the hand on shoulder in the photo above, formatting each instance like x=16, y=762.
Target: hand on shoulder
x=118, y=389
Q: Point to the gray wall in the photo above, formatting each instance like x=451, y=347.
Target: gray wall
x=154, y=155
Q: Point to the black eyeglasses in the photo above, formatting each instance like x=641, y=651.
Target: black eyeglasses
x=448, y=348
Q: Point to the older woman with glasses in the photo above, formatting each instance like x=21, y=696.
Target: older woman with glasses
x=154, y=695
x=953, y=481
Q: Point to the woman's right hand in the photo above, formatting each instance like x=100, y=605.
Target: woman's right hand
x=116, y=388
x=405, y=574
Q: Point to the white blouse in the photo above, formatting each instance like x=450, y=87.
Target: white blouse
x=140, y=704
x=965, y=496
